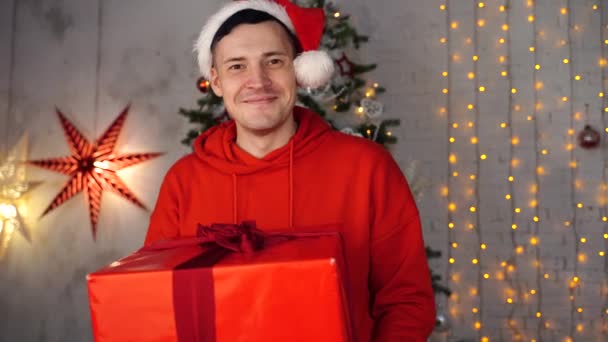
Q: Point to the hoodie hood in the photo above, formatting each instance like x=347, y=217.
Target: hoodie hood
x=217, y=146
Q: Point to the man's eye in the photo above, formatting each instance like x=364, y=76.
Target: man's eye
x=235, y=67
x=275, y=61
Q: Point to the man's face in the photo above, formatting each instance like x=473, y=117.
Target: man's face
x=253, y=71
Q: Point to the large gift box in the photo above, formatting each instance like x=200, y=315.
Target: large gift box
x=291, y=290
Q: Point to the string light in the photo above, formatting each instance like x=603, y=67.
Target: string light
x=534, y=112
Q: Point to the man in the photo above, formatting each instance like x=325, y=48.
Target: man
x=284, y=167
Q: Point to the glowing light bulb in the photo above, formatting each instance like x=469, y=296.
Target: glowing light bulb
x=8, y=211
x=442, y=7
x=577, y=77
x=530, y=18
x=482, y=89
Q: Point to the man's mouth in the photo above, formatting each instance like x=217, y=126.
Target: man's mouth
x=260, y=99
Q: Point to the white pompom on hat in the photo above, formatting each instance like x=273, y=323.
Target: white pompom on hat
x=313, y=68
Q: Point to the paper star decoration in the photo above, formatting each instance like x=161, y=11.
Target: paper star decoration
x=347, y=68
x=92, y=167
x=13, y=185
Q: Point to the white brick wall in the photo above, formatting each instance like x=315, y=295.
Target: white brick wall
x=145, y=59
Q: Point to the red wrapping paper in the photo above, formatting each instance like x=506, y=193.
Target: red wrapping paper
x=291, y=291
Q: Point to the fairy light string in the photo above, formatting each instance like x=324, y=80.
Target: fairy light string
x=537, y=292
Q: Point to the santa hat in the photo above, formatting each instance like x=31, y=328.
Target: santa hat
x=313, y=67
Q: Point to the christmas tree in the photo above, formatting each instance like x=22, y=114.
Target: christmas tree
x=348, y=103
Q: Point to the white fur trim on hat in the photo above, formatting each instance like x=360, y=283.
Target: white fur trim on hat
x=203, y=44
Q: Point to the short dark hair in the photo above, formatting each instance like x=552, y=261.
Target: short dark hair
x=251, y=16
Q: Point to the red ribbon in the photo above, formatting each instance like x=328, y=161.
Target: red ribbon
x=242, y=238
x=193, y=289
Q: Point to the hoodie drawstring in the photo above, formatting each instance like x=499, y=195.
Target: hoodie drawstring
x=234, y=198
x=291, y=185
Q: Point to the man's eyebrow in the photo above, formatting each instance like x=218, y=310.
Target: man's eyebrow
x=266, y=54
x=234, y=59
x=274, y=53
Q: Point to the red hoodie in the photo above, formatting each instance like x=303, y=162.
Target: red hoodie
x=320, y=177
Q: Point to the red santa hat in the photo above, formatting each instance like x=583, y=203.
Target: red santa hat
x=313, y=68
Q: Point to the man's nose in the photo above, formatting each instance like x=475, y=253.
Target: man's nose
x=258, y=77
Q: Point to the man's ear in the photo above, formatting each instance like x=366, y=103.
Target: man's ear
x=215, y=82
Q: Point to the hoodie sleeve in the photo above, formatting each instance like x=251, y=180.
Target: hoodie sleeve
x=164, y=221
x=403, y=304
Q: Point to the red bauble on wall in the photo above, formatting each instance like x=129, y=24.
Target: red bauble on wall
x=589, y=138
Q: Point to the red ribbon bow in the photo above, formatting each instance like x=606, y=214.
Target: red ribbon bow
x=244, y=237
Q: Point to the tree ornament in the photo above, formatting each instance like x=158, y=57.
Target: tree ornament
x=442, y=323
x=92, y=167
x=350, y=131
x=203, y=85
x=347, y=68
x=589, y=138
x=372, y=108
